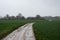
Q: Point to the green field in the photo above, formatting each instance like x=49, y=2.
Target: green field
x=7, y=26
x=47, y=30
x=44, y=30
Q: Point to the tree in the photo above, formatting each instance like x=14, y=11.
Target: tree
x=38, y=17
x=23, y=17
x=19, y=16
x=12, y=17
x=7, y=17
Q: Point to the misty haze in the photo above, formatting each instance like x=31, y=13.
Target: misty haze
x=29, y=19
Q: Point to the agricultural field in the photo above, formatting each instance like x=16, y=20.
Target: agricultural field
x=44, y=30
x=7, y=26
x=47, y=30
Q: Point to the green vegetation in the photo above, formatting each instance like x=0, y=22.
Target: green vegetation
x=47, y=30
x=7, y=26
x=44, y=30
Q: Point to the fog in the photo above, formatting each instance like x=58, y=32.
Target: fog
x=30, y=7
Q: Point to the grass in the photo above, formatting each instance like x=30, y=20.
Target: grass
x=47, y=30
x=44, y=30
x=7, y=26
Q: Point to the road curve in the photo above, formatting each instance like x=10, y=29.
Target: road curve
x=23, y=33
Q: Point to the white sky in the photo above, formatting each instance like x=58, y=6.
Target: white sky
x=30, y=7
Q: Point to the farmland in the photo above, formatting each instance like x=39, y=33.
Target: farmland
x=44, y=30
x=47, y=30
x=7, y=26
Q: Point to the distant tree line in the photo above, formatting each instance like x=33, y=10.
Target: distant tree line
x=52, y=18
x=19, y=17
x=37, y=17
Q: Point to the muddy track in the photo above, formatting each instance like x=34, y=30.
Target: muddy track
x=23, y=33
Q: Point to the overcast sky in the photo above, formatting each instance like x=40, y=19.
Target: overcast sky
x=30, y=7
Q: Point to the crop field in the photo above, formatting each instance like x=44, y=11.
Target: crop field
x=7, y=26
x=47, y=30
x=44, y=30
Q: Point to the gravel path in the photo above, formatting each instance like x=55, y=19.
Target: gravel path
x=23, y=33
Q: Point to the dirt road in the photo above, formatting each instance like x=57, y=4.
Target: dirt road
x=23, y=33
